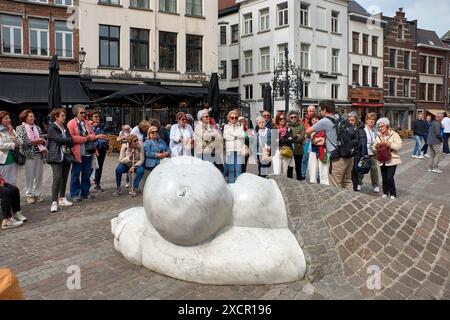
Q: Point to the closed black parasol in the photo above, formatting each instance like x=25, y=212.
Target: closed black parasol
x=54, y=88
x=267, y=103
x=213, y=97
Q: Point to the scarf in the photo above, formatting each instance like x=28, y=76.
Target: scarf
x=283, y=131
x=33, y=134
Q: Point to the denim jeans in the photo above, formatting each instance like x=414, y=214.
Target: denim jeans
x=446, y=148
x=305, y=164
x=122, y=168
x=101, y=161
x=417, y=147
x=233, y=165
x=84, y=168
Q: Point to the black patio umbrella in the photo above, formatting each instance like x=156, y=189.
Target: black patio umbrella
x=213, y=97
x=142, y=95
x=267, y=103
x=54, y=87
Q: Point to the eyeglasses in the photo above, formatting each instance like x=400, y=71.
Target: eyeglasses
x=266, y=115
x=82, y=112
x=184, y=119
x=134, y=141
x=205, y=116
x=293, y=117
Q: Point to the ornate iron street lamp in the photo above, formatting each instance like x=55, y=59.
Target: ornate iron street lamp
x=288, y=80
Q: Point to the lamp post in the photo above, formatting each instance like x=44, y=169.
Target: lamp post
x=81, y=58
x=292, y=82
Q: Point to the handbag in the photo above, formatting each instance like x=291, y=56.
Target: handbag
x=245, y=150
x=19, y=158
x=90, y=147
x=95, y=165
x=286, y=152
x=363, y=165
x=68, y=155
x=384, y=152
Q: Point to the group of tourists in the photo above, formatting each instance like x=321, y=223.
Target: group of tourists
x=328, y=148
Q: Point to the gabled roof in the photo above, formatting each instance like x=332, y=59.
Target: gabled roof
x=446, y=37
x=224, y=4
x=355, y=7
x=429, y=38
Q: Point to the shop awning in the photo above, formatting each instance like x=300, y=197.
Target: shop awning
x=33, y=88
x=366, y=104
x=435, y=111
x=103, y=86
x=196, y=92
x=7, y=100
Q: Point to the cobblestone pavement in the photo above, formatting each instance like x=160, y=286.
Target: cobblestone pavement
x=342, y=233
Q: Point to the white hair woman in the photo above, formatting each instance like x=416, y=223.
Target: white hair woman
x=234, y=136
x=388, y=145
x=261, y=147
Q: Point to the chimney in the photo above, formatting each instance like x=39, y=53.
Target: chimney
x=400, y=13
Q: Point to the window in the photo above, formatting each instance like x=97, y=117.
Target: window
x=321, y=18
x=223, y=35
x=423, y=64
x=355, y=42
x=234, y=33
x=248, y=92
x=365, y=44
x=392, y=58
x=63, y=40
x=335, y=21
x=430, y=92
x=365, y=76
x=406, y=89
x=64, y=2
x=11, y=33
x=39, y=37
x=407, y=60
x=263, y=89
x=194, y=8
x=304, y=14
x=248, y=24
x=265, y=59
x=305, y=89
x=431, y=66
x=264, y=19
x=281, y=52
x=248, y=62
x=139, y=52
x=400, y=32
x=423, y=91
x=109, y=46
x=223, y=64
x=355, y=73
x=140, y=4
x=374, y=76
x=439, y=66
x=282, y=14
x=234, y=69
x=374, y=46
x=335, y=60
x=168, y=6
x=334, y=91
x=194, y=53
x=304, y=56
x=438, y=92
x=392, y=88
x=167, y=51
x=116, y=2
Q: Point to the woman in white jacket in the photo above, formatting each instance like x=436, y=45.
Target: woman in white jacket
x=234, y=136
x=181, y=137
x=8, y=142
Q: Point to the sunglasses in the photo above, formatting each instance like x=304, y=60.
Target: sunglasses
x=281, y=118
x=266, y=115
x=82, y=112
x=153, y=131
x=293, y=117
x=233, y=118
x=184, y=119
x=94, y=116
x=205, y=116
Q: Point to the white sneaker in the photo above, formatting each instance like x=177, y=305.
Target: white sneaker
x=393, y=198
x=414, y=156
x=430, y=170
x=358, y=188
x=420, y=157
x=427, y=155
x=127, y=185
x=54, y=207
x=376, y=189
x=437, y=170
x=19, y=217
x=11, y=223
x=384, y=196
x=31, y=200
x=63, y=202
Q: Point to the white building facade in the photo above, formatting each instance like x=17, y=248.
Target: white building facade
x=314, y=32
x=174, y=40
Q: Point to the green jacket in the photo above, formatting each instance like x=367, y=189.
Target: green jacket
x=298, y=131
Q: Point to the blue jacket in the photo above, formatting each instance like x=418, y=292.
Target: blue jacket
x=100, y=129
x=151, y=148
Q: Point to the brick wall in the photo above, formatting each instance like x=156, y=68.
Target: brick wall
x=30, y=10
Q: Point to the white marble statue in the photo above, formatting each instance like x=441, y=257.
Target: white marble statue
x=196, y=227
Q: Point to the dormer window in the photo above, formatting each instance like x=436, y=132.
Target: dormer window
x=400, y=32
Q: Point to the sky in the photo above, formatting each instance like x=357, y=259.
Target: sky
x=430, y=14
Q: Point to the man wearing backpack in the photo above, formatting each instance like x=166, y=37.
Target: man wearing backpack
x=341, y=144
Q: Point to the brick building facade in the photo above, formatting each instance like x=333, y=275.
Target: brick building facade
x=400, y=69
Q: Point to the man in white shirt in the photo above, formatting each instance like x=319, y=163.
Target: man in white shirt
x=446, y=126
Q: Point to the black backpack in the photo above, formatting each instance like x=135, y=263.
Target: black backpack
x=347, y=139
